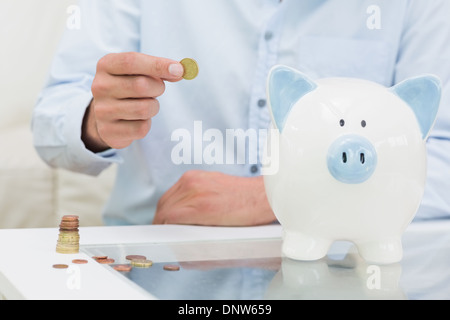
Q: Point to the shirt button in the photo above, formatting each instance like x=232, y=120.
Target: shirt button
x=254, y=169
x=261, y=103
x=268, y=35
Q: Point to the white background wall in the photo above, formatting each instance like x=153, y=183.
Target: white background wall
x=32, y=194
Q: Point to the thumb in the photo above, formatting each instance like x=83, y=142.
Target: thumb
x=136, y=63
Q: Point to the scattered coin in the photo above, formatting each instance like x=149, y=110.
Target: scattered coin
x=122, y=267
x=99, y=257
x=60, y=266
x=190, y=68
x=106, y=261
x=79, y=261
x=141, y=263
x=171, y=267
x=135, y=256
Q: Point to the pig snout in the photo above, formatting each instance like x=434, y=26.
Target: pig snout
x=351, y=159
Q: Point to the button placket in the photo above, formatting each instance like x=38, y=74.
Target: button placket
x=259, y=117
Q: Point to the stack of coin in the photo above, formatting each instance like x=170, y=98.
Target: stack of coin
x=69, y=238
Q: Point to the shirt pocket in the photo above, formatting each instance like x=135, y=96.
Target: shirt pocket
x=323, y=57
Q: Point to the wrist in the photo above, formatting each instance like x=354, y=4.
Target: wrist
x=89, y=132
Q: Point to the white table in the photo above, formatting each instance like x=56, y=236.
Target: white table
x=27, y=256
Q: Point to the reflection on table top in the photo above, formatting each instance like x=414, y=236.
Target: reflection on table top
x=253, y=269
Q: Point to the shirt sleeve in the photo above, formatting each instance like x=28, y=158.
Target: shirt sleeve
x=105, y=26
x=425, y=49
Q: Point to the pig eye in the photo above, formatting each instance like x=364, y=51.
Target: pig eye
x=341, y=122
x=363, y=123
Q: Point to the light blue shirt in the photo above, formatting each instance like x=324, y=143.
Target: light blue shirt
x=235, y=44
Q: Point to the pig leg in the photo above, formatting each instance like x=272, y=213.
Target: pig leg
x=381, y=251
x=299, y=246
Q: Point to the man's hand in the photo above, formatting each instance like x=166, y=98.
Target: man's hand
x=212, y=198
x=125, y=89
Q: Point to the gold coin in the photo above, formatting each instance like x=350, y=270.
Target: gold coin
x=190, y=68
x=62, y=247
x=141, y=263
x=67, y=251
x=68, y=238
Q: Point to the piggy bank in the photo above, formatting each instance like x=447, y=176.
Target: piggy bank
x=350, y=161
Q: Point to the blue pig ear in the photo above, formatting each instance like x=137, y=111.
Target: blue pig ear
x=423, y=95
x=285, y=86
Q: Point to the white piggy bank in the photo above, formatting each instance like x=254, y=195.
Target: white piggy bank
x=351, y=161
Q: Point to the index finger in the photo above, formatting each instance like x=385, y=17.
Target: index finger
x=135, y=63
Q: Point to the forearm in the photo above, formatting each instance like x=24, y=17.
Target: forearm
x=58, y=115
x=56, y=126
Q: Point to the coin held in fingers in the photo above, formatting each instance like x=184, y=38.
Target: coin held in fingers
x=190, y=68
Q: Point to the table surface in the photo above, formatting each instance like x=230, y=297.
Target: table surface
x=217, y=263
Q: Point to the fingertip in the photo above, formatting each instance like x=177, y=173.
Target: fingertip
x=176, y=70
